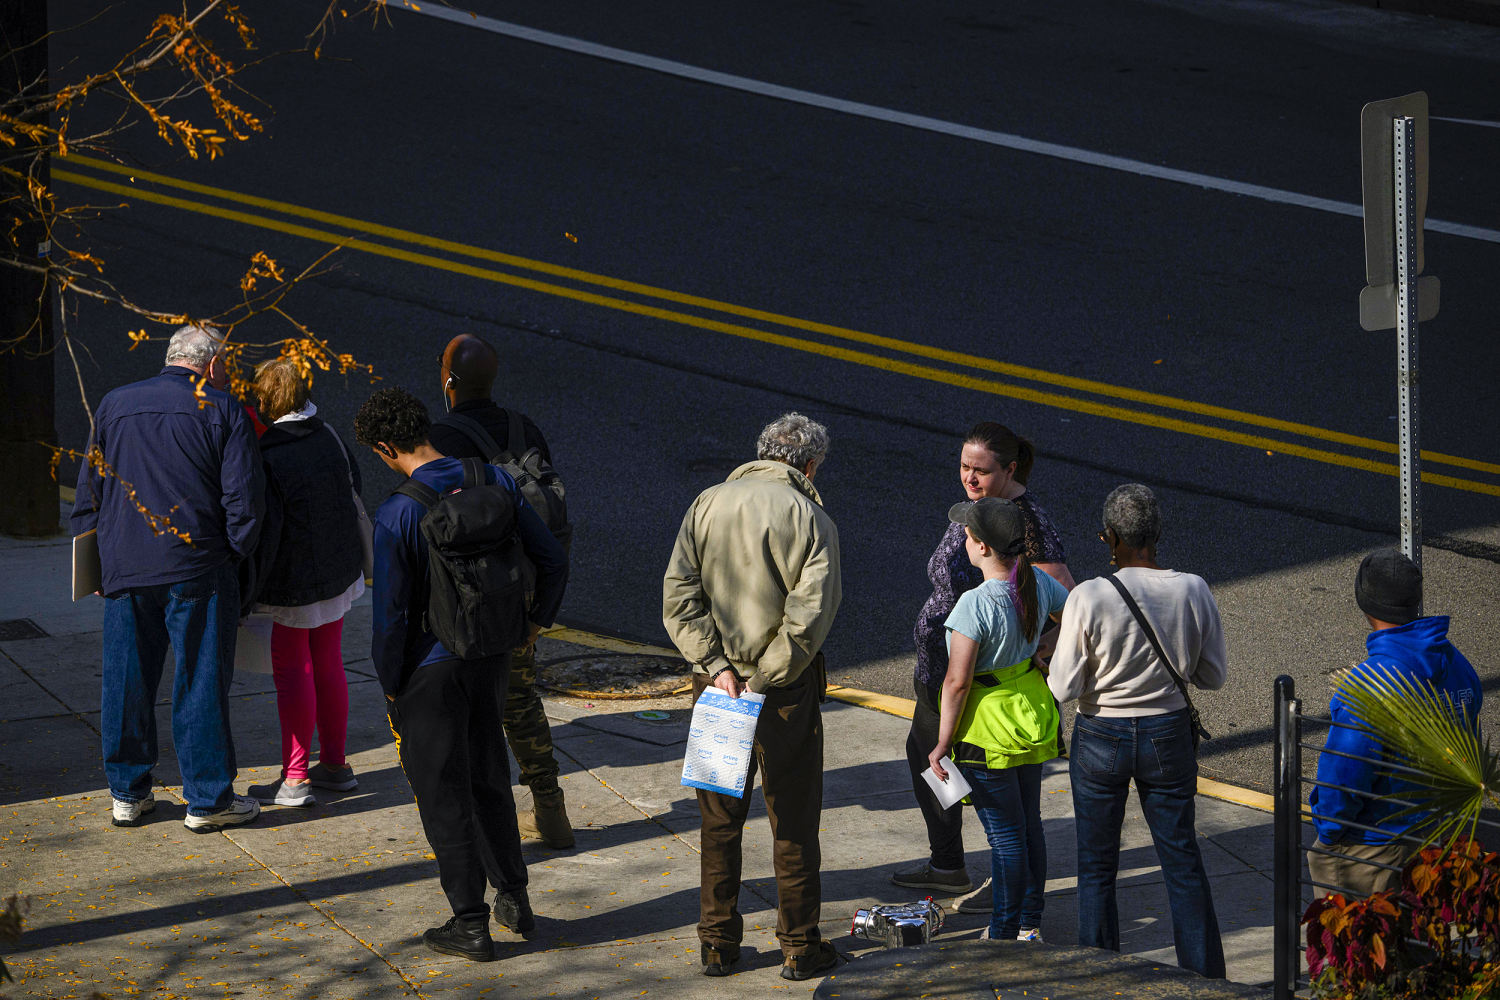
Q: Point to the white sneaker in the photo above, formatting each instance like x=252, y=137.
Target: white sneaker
x=1030, y=934
x=132, y=813
x=241, y=810
x=283, y=793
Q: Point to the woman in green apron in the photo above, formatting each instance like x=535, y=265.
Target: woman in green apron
x=997, y=717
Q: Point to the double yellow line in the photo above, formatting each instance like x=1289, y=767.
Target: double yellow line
x=961, y=373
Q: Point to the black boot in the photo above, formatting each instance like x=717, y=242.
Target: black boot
x=466, y=937
x=513, y=912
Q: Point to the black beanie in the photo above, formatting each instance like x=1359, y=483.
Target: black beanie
x=1389, y=587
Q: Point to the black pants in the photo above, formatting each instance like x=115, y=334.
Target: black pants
x=449, y=735
x=945, y=827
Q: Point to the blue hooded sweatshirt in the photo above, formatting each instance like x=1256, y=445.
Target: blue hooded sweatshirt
x=1420, y=651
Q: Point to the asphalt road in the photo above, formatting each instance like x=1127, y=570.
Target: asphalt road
x=667, y=259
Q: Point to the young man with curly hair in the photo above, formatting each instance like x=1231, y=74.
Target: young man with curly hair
x=445, y=711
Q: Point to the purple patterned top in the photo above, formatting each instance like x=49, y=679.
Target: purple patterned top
x=952, y=574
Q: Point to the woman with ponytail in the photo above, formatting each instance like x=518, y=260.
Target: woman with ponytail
x=997, y=717
x=994, y=462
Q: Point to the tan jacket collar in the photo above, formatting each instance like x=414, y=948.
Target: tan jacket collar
x=780, y=472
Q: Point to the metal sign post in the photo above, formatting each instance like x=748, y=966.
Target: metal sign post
x=1393, y=147
x=1408, y=375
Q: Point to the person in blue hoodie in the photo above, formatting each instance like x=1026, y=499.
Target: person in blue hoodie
x=1361, y=844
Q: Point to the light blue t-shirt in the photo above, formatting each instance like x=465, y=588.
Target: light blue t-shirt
x=987, y=615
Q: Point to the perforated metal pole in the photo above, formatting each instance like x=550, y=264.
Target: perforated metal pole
x=1408, y=374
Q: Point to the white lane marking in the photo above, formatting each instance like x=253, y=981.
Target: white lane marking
x=1467, y=121
x=1004, y=139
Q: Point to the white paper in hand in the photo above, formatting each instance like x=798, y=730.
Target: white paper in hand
x=721, y=739
x=950, y=791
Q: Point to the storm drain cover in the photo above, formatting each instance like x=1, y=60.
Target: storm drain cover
x=20, y=628
x=614, y=675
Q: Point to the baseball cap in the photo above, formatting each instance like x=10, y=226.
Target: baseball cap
x=995, y=522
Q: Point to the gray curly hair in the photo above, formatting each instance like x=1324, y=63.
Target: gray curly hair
x=195, y=345
x=1132, y=513
x=793, y=439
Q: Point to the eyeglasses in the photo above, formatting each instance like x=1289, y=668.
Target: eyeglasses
x=1103, y=537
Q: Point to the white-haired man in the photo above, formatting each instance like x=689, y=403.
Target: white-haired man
x=177, y=503
x=749, y=597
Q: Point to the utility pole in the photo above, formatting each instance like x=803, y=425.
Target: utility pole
x=27, y=396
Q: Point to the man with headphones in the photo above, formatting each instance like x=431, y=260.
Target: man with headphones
x=469, y=368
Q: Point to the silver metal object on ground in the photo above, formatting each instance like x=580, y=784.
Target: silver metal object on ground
x=898, y=925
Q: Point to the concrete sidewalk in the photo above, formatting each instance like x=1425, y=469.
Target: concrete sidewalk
x=330, y=901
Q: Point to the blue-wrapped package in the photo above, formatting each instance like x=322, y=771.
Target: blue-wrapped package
x=721, y=739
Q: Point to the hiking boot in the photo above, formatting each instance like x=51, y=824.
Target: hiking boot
x=547, y=822
x=466, y=937
x=283, y=793
x=924, y=876
x=513, y=912
x=718, y=961
x=1030, y=934
x=239, y=811
x=818, y=962
x=334, y=779
x=132, y=813
x=982, y=901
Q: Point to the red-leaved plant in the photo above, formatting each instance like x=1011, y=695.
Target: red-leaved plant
x=1437, y=937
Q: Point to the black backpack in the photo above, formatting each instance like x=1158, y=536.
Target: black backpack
x=538, y=482
x=479, y=580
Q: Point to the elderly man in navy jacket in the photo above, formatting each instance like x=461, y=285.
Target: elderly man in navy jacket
x=175, y=491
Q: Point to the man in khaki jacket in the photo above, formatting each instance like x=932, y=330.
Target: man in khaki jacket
x=749, y=597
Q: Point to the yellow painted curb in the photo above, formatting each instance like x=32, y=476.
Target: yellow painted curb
x=1234, y=793
x=607, y=642
x=886, y=703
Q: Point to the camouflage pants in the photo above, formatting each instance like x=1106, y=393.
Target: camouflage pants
x=526, y=725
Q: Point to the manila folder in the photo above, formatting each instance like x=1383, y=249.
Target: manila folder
x=87, y=576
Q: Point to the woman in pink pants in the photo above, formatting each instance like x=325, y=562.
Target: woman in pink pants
x=313, y=573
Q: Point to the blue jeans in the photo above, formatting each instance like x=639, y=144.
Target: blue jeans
x=197, y=619
x=1009, y=804
x=1157, y=752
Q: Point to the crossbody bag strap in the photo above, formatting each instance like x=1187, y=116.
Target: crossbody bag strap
x=348, y=462
x=475, y=432
x=1135, y=609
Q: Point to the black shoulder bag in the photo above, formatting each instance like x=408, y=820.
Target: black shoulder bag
x=1199, y=733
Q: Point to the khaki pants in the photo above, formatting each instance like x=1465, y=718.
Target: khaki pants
x=1347, y=871
x=789, y=755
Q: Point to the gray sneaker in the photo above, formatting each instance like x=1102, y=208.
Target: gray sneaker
x=132, y=813
x=335, y=780
x=978, y=902
x=924, y=876
x=239, y=811
x=283, y=793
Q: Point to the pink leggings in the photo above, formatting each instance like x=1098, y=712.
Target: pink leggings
x=307, y=665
